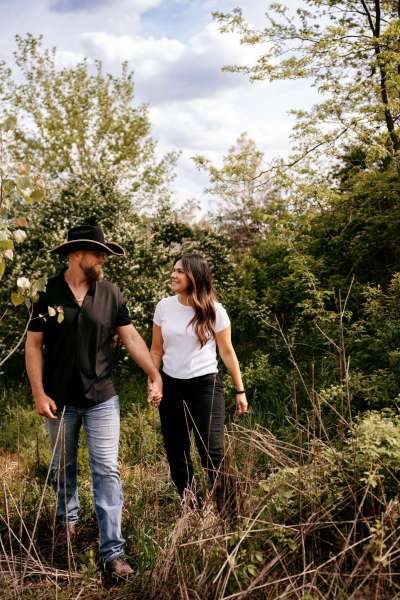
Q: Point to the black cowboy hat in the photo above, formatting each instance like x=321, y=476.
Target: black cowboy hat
x=87, y=237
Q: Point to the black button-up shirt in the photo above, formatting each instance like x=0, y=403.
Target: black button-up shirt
x=78, y=352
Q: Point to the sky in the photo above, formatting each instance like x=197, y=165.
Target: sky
x=176, y=52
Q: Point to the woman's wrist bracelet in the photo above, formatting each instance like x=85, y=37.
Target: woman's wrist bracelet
x=240, y=392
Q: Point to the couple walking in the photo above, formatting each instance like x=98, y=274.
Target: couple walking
x=69, y=364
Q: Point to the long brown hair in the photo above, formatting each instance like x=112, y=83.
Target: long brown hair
x=201, y=295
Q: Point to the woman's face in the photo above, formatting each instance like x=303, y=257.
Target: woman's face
x=179, y=279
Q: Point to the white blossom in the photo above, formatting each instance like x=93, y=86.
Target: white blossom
x=8, y=254
x=19, y=236
x=23, y=283
x=51, y=311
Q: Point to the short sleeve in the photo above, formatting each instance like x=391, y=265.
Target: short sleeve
x=123, y=317
x=158, y=314
x=222, y=320
x=37, y=322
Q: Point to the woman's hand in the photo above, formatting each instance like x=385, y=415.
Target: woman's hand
x=241, y=404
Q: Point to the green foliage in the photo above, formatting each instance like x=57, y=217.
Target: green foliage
x=358, y=232
x=375, y=448
x=267, y=386
x=367, y=463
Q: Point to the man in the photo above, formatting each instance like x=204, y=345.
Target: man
x=69, y=363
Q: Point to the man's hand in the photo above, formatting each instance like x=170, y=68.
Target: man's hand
x=155, y=390
x=46, y=407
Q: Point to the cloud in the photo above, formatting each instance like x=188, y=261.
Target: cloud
x=66, y=59
x=211, y=125
x=135, y=6
x=144, y=52
x=76, y=5
x=167, y=69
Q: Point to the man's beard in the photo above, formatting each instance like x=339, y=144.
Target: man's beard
x=94, y=273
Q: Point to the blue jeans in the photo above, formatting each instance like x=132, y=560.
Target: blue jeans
x=101, y=424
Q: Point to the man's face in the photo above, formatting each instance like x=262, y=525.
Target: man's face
x=92, y=263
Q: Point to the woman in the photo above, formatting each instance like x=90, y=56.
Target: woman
x=186, y=331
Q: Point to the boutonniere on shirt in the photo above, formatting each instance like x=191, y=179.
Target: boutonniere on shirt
x=57, y=310
x=52, y=311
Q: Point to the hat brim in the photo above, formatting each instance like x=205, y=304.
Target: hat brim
x=88, y=245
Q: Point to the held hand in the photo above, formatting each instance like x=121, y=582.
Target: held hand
x=46, y=407
x=154, y=396
x=241, y=404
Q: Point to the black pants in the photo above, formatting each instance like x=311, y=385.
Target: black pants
x=196, y=405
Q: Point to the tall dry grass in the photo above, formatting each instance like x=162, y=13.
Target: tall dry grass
x=314, y=522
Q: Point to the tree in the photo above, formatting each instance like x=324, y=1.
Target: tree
x=247, y=203
x=350, y=51
x=79, y=123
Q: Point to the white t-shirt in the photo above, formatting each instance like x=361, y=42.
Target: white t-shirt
x=183, y=357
